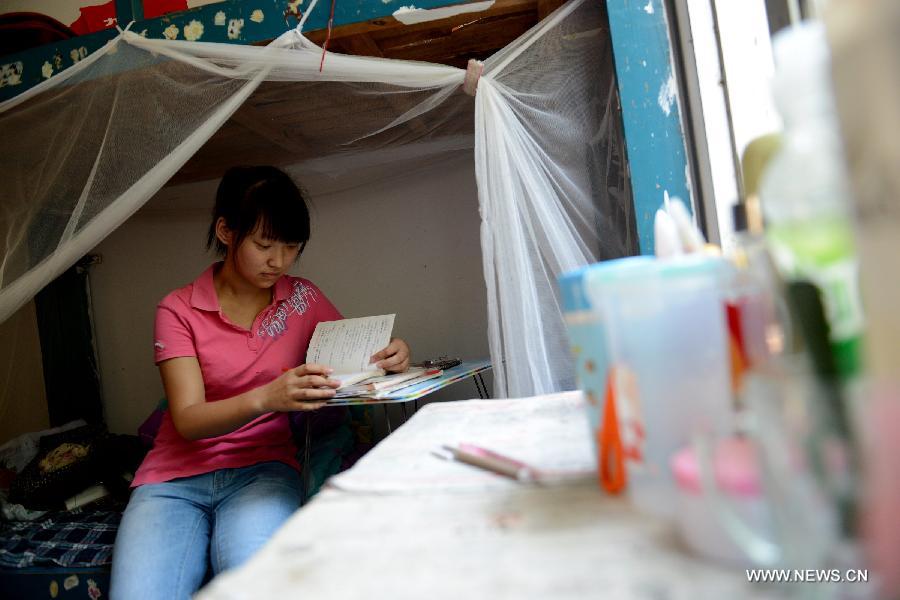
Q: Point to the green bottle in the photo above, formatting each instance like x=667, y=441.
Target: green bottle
x=805, y=192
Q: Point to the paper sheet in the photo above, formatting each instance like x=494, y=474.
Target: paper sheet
x=347, y=345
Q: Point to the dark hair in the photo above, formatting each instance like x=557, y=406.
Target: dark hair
x=259, y=196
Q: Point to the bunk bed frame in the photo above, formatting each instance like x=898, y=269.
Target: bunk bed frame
x=641, y=35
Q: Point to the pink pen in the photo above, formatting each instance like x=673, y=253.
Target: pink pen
x=491, y=461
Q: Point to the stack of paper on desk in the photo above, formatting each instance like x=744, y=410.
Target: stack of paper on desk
x=380, y=386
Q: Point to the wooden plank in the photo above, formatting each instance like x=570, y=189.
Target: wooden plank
x=545, y=7
x=260, y=122
x=388, y=24
x=364, y=45
x=244, y=147
x=480, y=37
x=361, y=45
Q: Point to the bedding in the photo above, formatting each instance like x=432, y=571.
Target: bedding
x=61, y=555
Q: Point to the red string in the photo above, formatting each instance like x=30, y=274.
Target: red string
x=327, y=36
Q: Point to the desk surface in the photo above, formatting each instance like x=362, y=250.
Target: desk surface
x=404, y=524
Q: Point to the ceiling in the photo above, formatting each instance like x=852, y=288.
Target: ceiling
x=267, y=128
x=450, y=41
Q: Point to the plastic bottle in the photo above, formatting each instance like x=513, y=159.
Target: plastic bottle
x=805, y=191
x=758, y=316
x=750, y=290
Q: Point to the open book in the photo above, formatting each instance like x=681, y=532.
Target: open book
x=347, y=345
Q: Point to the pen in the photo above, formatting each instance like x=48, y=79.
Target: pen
x=490, y=461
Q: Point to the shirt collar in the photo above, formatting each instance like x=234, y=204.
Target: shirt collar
x=283, y=288
x=204, y=297
x=203, y=292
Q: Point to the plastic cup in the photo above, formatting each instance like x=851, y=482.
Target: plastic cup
x=665, y=330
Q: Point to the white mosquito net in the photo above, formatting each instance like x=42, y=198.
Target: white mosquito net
x=87, y=148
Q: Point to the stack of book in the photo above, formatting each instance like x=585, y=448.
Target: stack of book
x=379, y=386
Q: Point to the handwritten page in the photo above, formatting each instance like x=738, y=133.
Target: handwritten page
x=347, y=345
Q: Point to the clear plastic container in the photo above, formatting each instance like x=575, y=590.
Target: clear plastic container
x=666, y=333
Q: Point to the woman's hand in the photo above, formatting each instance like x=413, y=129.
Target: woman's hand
x=394, y=358
x=306, y=387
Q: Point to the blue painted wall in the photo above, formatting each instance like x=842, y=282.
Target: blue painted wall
x=650, y=112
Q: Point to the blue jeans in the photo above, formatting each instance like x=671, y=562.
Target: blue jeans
x=172, y=532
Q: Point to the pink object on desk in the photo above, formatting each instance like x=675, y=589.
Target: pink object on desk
x=492, y=461
x=701, y=517
x=500, y=464
x=736, y=469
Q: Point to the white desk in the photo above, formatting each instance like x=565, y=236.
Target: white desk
x=404, y=524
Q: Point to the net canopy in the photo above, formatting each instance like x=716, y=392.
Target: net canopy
x=87, y=148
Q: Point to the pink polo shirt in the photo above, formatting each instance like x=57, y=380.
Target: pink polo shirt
x=189, y=322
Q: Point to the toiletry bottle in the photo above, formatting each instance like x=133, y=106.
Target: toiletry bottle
x=758, y=314
x=805, y=191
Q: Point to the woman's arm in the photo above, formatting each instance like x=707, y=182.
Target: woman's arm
x=195, y=418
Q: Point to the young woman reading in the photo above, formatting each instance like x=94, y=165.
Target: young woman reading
x=222, y=475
